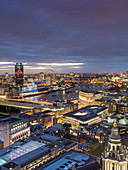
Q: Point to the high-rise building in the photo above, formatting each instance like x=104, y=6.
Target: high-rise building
x=41, y=76
x=1, y=81
x=6, y=75
x=36, y=76
x=48, y=81
x=114, y=157
x=55, y=120
x=71, y=74
x=19, y=74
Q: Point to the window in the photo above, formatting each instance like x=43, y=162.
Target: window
x=113, y=166
x=54, y=153
x=113, y=155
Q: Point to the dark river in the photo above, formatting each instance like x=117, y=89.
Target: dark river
x=70, y=94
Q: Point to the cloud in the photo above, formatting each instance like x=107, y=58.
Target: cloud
x=59, y=64
x=76, y=67
x=5, y=63
x=94, y=33
x=34, y=68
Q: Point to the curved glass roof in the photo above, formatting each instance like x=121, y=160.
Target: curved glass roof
x=22, y=150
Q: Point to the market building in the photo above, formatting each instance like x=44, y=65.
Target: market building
x=85, y=116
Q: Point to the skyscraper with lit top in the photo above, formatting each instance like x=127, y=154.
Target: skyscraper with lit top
x=19, y=74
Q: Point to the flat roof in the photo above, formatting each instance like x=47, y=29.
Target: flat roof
x=91, y=91
x=69, y=159
x=57, y=140
x=18, y=104
x=86, y=113
x=12, y=120
x=62, y=162
x=49, y=137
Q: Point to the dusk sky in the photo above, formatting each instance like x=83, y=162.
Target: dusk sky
x=64, y=35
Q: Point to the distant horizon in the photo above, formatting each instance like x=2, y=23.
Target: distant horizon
x=66, y=73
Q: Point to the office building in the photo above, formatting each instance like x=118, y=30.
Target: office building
x=89, y=98
x=6, y=75
x=2, y=90
x=48, y=81
x=41, y=76
x=19, y=74
x=44, y=118
x=13, y=129
x=56, y=140
x=1, y=81
x=55, y=121
x=36, y=76
x=71, y=74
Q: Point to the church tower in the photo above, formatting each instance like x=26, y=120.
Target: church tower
x=114, y=156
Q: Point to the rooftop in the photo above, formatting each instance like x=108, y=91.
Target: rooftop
x=91, y=91
x=68, y=159
x=49, y=137
x=86, y=113
x=10, y=165
x=13, y=121
x=55, y=140
x=20, y=151
x=18, y=104
x=61, y=164
x=9, y=119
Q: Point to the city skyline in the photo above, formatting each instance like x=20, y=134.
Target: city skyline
x=66, y=36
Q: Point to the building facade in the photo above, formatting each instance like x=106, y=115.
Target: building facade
x=48, y=81
x=13, y=129
x=89, y=98
x=41, y=76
